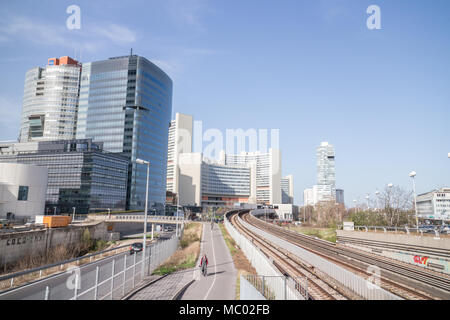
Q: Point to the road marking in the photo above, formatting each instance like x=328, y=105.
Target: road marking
x=215, y=267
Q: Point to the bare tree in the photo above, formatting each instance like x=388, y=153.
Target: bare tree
x=397, y=205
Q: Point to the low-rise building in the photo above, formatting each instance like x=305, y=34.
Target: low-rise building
x=22, y=191
x=285, y=211
x=434, y=205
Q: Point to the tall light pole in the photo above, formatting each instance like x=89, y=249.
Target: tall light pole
x=354, y=201
x=412, y=175
x=144, y=239
x=377, y=193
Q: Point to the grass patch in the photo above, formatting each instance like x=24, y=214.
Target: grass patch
x=186, y=256
x=328, y=234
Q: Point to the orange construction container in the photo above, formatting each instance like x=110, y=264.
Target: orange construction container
x=57, y=221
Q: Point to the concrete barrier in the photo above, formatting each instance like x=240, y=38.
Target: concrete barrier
x=16, y=245
x=423, y=251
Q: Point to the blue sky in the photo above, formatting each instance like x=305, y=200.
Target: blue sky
x=309, y=68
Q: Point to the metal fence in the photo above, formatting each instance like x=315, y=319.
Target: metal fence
x=437, y=232
x=362, y=287
x=264, y=285
x=19, y=278
x=110, y=278
x=280, y=287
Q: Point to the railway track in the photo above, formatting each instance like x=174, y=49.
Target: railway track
x=395, y=277
x=318, y=288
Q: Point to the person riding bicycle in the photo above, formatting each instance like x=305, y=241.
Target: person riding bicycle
x=204, y=264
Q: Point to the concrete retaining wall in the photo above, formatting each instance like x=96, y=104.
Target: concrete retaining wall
x=424, y=251
x=16, y=245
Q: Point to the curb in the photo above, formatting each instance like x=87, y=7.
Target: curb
x=132, y=293
x=179, y=294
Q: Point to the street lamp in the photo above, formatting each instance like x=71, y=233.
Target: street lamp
x=412, y=175
x=377, y=193
x=354, y=201
x=144, y=240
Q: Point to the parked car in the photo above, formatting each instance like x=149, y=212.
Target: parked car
x=135, y=247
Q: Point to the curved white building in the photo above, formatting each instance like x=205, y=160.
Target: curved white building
x=50, y=101
x=22, y=190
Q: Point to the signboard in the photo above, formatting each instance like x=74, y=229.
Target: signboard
x=349, y=226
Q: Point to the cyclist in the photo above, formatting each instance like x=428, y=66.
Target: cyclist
x=204, y=265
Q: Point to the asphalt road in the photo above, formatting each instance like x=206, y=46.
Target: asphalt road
x=220, y=283
x=62, y=286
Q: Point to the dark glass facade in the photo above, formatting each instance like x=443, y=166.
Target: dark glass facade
x=126, y=103
x=80, y=175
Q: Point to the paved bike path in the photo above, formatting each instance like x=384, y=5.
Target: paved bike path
x=220, y=283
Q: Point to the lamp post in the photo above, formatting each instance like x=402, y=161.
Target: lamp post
x=337, y=209
x=144, y=239
x=412, y=175
x=377, y=193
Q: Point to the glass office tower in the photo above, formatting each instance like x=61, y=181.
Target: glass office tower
x=126, y=103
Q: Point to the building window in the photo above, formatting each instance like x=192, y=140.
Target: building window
x=23, y=193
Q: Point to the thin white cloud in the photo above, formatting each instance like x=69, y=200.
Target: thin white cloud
x=187, y=12
x=21, y=28
x=117, y=34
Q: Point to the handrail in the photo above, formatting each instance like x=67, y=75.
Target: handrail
x=48, y=266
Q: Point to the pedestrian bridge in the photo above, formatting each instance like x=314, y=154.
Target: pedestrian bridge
x=137, y=217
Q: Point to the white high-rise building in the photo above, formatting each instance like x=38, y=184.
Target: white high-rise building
x=326, y=181
x=308, y=197
x=180, y=141
x=287, y=189
x=268, y=172
x=50, y=101
x=205, y=182
x=325, y=189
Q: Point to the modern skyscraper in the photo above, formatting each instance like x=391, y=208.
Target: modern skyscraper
x=340, y=196
x=180, y=141
x=268, y=172
x=80, y=174
x=50, y=101
x=287, y=189
x=326, y=181
x=126, y=103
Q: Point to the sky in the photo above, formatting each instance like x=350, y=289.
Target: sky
x=311, y=69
